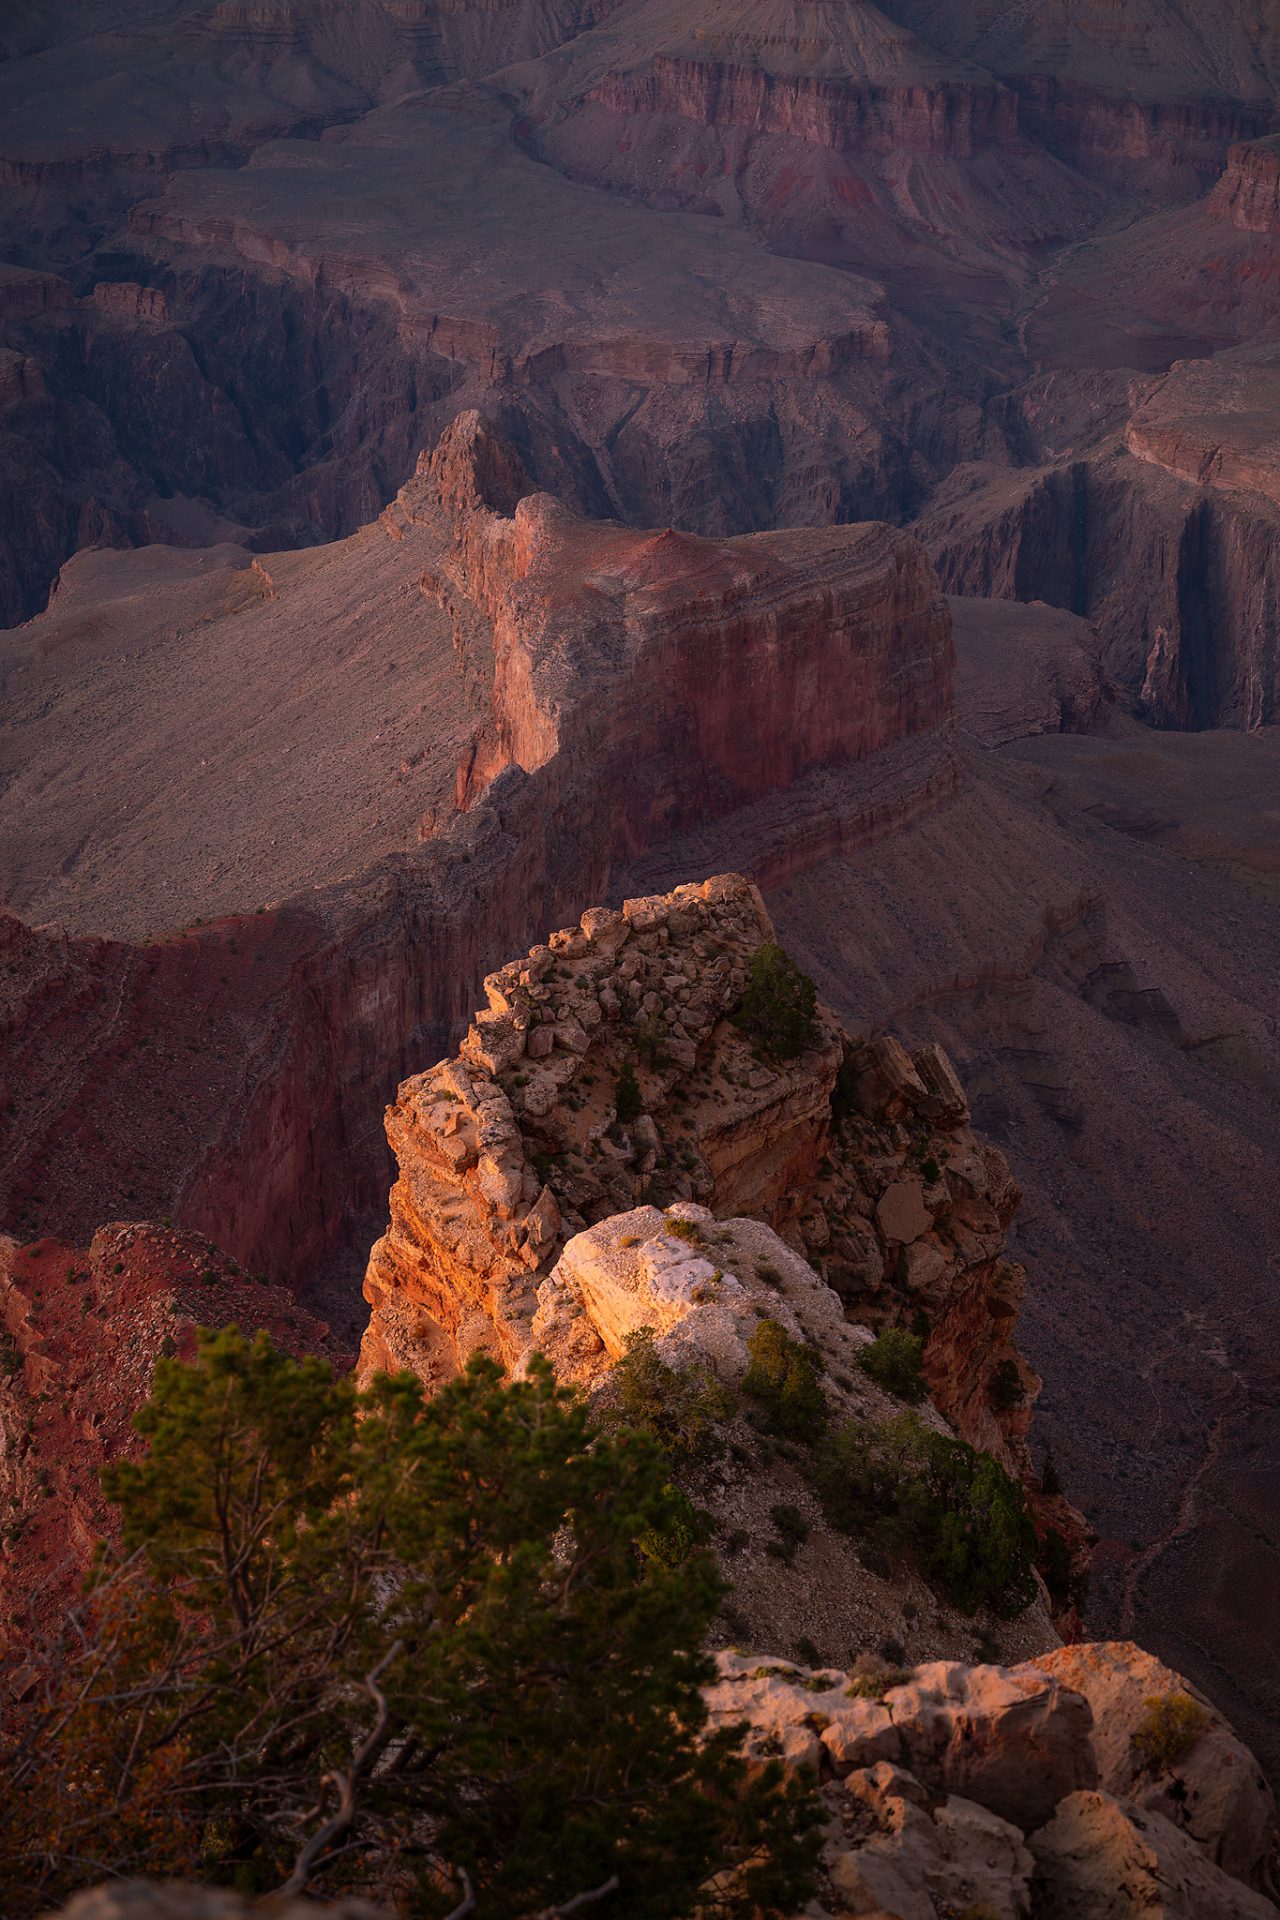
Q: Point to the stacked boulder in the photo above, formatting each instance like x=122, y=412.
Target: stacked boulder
x=1000, y=1793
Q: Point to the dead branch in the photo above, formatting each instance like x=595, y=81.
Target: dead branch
x=347, y=1781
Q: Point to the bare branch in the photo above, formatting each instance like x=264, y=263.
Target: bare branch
x=468, y=1902
x=347, y=1782
x=579, y=1901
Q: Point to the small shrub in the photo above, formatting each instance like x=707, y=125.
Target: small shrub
x=871, y=1679
x=628, y=1099
x=1170, y=1727
x=895, y=1361
x=1050, y=1484
x=651, y=1040
x=684, y=1532
x=792, y=1529
x=954, y=1509
x=1066, y=1586
x=1007, y=1390
x=687, y=1230
x=778, y=1008
x=807, y=1653
x=931, y=1170
x=681, y=1408
x=783, y=1377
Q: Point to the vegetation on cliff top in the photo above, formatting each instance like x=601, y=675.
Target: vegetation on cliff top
x=955, y=1509
x=778, y=1009
x=412, y=1647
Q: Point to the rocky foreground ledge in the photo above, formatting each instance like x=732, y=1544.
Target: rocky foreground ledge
x=958, y=1792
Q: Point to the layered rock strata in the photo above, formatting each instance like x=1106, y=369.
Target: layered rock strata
x=694, y=669
x=572, y=648
x=1248, y=193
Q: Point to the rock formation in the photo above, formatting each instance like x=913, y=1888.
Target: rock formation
x=534, y=1174
x=587, y=691
x=1249, y=190
x=1008, y=282
x=1008, y=1792
x=514, y=1152
x=956, y=1790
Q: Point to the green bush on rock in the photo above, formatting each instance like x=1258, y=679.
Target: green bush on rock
x=895, y=1361
x=778, y=1008
x=783, y=1377
x=440, y=1650
x=954, y=1509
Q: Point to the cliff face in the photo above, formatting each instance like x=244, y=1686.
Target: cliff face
x=1165, y=540
x=1248, y=193
x=929, y=116
x=690, y=673
x=623, y=685
x=833, y=132
x=547, y=1202
x=512, y=1148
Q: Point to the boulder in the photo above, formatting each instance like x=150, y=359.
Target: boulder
x=1103, y=1859
x=901, y=1213
x=1015, y=1739
x=1214, y=1791
x=923, y=1857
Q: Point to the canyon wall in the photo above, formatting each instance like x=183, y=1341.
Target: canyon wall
x=1167, y=545
x=1248, y=193
x=843, y=115
x=307, y=1014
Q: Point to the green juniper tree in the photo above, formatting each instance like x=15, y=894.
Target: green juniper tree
x=410, y=1647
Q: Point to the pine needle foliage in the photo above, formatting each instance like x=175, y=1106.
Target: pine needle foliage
x=406, y=1647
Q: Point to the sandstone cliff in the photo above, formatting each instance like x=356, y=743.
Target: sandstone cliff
x=516, y=1145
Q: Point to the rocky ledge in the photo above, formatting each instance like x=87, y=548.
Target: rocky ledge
x=1040, y=1789
x=1248, y=193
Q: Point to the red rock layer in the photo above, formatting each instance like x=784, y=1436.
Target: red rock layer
x=80, y=1333
x=1103, y=134
x=927, y=117
x=1249, y=192
x=699, y=675
x=643, y=682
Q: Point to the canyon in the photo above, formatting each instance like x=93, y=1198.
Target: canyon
x=469, y=467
